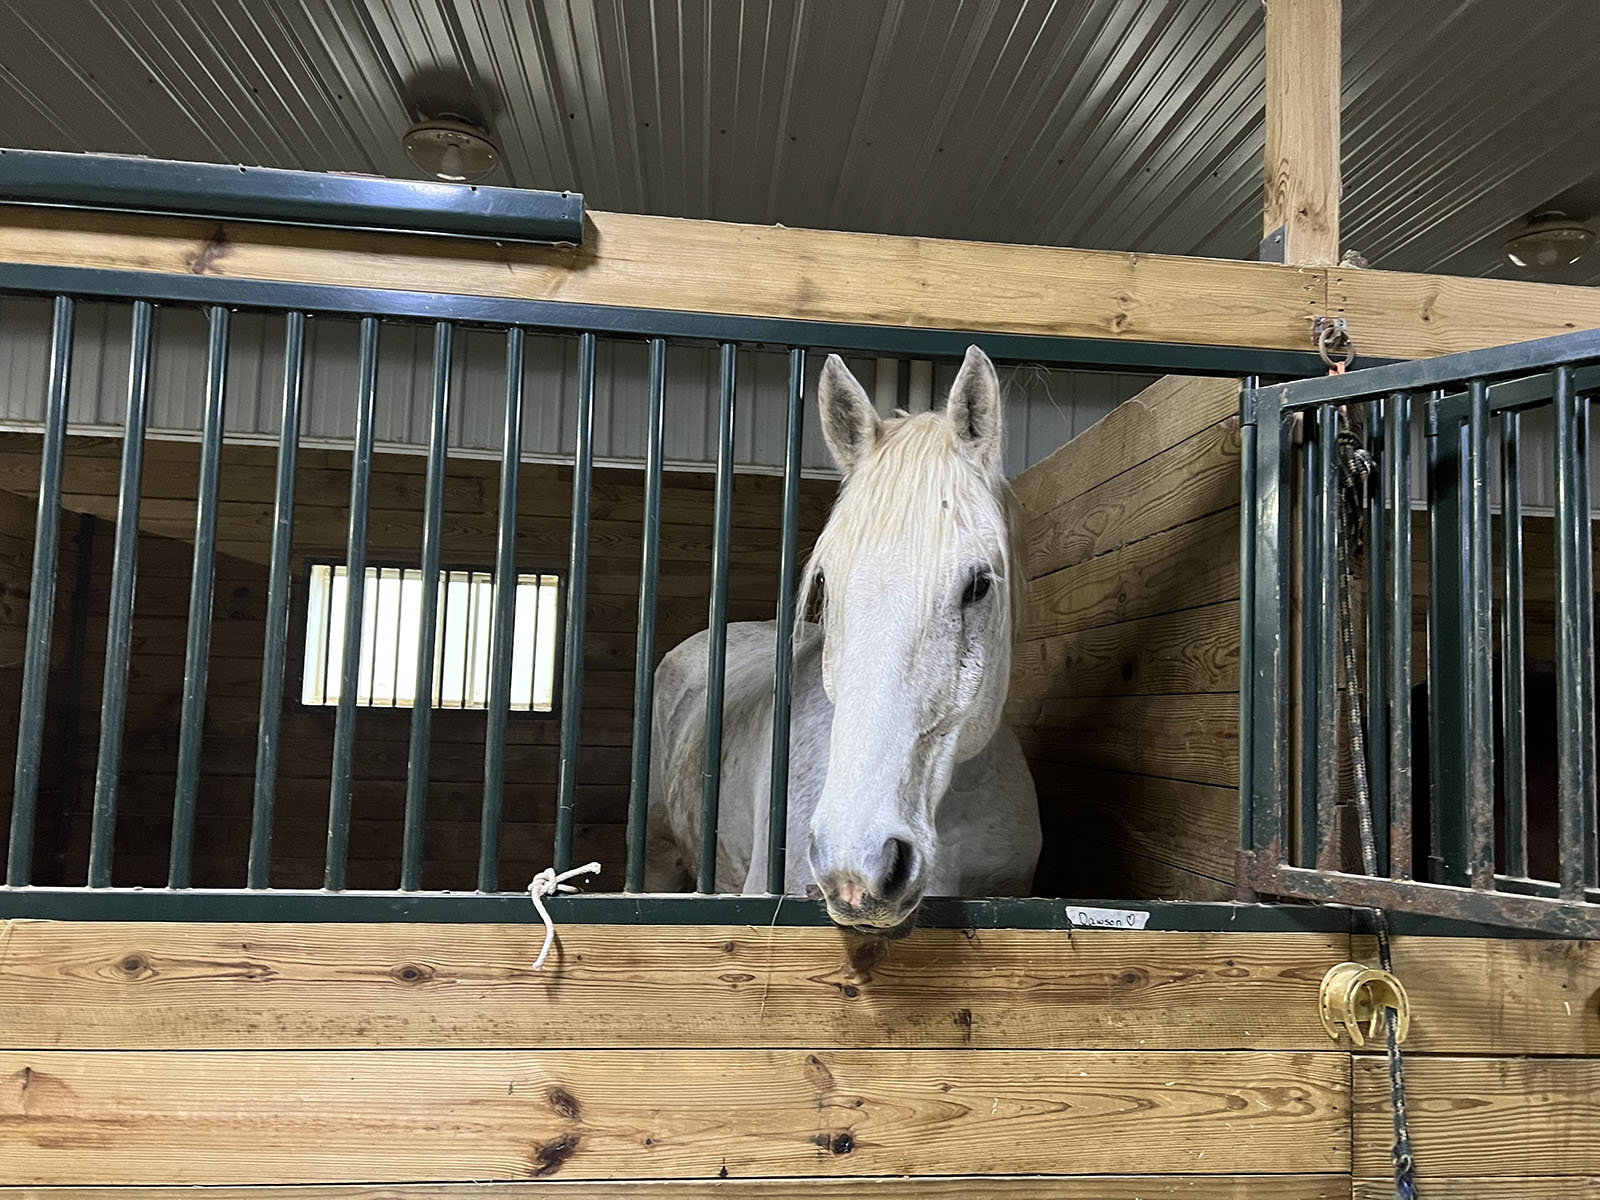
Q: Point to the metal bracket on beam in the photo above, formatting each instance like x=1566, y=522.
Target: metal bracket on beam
x=1272, y=246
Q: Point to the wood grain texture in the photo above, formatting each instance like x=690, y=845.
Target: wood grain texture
x=1302, y=154
x=1194, y=738
x=955, y=1187
x=363, y=1116
x=1190, y=826
x=1477, y=1116
x=1498, y=995
x=127, y=985
x=1171, y=409
x=1192, y=565
x=1521, y=1187
x=1191, y=650
x=1419, y=316
x=707, y=266
x=1197, y=477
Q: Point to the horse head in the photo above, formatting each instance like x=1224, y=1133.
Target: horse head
x=918, y=573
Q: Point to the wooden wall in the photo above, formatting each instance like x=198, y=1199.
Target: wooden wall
x=407, y=1060
x=456, y=761
x=1125, y=692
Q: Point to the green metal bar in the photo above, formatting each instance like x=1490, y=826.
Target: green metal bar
x=41, y=601
x=355, y=558
x=1477, y=862
x=1397, y=498
x=783, y=667
x=1326, y=600
x=202, y=584
x=1376, y=708
x=1447, y=652
x=274, y=652
x=577, y=602
x=502, y=638
x=645, y=654
x=1249, y=501
x=1269, y=592
x=1311, y=634
x=119, y=625
x=717, y=631
x=1512, y=650
x=1574, y=639
x=427, y=644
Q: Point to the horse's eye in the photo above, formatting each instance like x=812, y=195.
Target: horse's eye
x=977, y=588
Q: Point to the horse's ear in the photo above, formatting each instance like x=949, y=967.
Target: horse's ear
x=849, y=421
x=974, y=406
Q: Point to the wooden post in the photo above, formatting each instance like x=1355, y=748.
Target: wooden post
x=1302, y=162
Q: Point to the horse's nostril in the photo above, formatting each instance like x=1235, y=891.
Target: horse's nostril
x=897, y=862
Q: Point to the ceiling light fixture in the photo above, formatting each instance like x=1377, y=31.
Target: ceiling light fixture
x=449, y=148
x=1550, y=240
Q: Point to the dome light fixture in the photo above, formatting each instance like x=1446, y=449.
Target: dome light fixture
x=450, y=149
x=1550, y=240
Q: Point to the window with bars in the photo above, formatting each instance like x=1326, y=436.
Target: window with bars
x=391, y=619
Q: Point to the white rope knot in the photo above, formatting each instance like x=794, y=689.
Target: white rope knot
x=548, y=883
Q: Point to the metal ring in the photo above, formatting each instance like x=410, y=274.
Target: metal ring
x=1328, y=333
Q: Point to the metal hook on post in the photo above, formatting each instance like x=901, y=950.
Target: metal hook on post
x=1332, y=335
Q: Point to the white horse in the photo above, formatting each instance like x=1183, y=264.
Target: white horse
x=904, y=781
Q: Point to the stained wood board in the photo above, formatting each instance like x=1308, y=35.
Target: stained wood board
x=380, y=1116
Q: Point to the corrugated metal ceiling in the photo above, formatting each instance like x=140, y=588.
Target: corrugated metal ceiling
x=1100, y=123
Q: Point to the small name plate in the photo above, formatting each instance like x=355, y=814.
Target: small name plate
x=1107, y=918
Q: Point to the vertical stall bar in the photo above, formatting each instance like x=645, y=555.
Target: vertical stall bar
x=1477, y=863
x=1326, y=598
x=502, y=635
x=1249, y=500
x=202, y=584
x=119, y=624
x=577, y=600
x=645, y=656
x=1311, y=634
x=1512, y=649
x=1574, y=638
x=1397, y=498
x=344, y=728
x=427, y=630
x=274, y=653
x=1447, y=633
x=41, y=600
x=1376, y=705
x=788, y=569
x=717, y=632
x=1269, y=661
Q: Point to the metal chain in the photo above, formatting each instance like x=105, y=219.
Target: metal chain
x=1356, y=466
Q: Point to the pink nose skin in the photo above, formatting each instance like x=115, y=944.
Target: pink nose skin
x=852, y=895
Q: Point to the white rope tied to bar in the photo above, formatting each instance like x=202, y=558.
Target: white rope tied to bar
x=548, y=883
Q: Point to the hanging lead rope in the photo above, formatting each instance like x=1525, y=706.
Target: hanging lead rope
x=548, y=883
x=1355, y=468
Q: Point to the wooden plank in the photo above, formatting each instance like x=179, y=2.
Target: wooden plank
x=1104, y=868
x=1418, y=316
x=1193, y=565
x=1195, y=478
x=1192, y=650
x=958, y=1187
x=1191, y=826
x=1498, y=995
x=1522, y=1187
x=707, y=266
x=1194, y=738
x=376, y=1116
x=1165, y=413
x=1514, y=1116
x=1302, y=158
x=130, y=985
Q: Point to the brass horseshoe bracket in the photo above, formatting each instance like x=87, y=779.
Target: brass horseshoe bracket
x=1352, y=994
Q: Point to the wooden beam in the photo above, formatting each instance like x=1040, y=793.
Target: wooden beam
x=1302, y=161
x=364, y=1116
x=131, y=985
